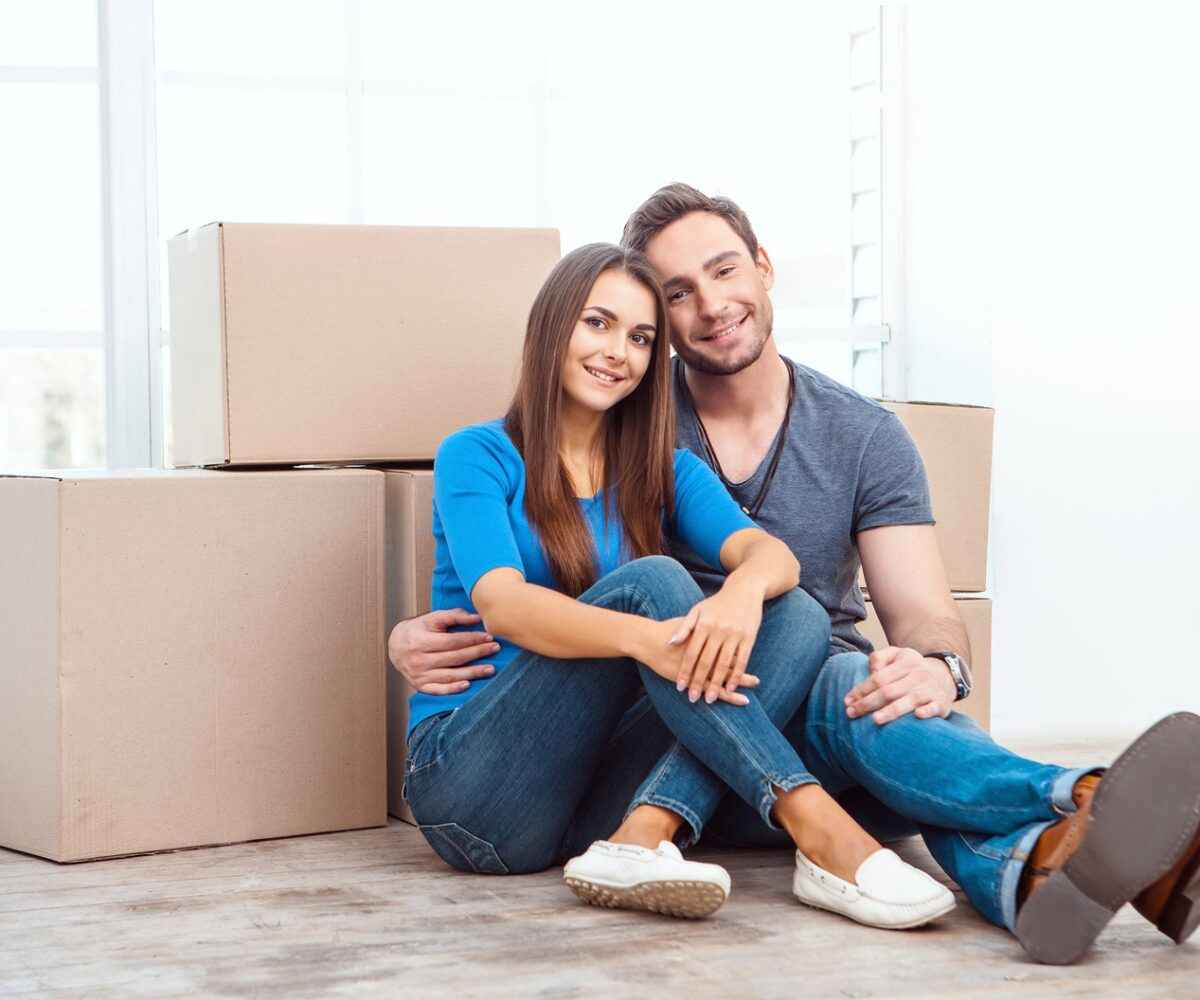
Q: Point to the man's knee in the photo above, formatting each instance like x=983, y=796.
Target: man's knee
x=839, y=674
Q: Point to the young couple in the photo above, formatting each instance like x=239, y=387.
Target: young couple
x=621, y=702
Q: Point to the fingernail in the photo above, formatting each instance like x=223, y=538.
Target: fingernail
x=850, y=712
x=487, y=635
x=495, y=647
x=680, y=685
x=489, y=669
x=693, y=696
x=710, y=697
x=744, y=701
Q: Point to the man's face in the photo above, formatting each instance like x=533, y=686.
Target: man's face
x=716, y=292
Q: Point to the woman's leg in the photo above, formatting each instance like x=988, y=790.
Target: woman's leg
x=494, y=784
x=645, y=765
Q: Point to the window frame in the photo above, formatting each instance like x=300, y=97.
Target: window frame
x=133, y=338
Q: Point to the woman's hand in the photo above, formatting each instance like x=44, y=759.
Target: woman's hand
x=665, y=657
x=719, y=633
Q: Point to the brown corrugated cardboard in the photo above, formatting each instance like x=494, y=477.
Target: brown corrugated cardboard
x=189, y=658
x=295, y=344
x=409, y=560
x=956, y=445
x=976, y=614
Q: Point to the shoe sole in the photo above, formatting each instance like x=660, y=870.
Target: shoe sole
x=907, y=925
x=674, y=898
x=1181, y=914
x=1134, y=837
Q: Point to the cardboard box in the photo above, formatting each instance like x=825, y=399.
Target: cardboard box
x=295, y=344
x=977, y=616
x=409, y=560
x=189, y=658
x=956, y=444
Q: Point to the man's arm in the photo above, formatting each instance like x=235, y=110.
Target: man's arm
x=908, y=587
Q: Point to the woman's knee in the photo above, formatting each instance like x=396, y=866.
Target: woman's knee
x=661, y=586
x=466, y=851
x=799, y=616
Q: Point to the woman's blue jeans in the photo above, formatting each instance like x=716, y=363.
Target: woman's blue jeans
x=553, y=754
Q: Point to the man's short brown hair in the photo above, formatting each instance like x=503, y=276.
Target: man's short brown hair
x=671, y=203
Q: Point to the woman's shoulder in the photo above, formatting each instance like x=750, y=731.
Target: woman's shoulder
x=488, y=439
x=688, y=463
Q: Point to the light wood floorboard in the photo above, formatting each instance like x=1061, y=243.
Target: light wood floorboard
x=376, y=913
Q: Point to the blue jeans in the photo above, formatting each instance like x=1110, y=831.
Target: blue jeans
x=980, y=808
x=553, y=753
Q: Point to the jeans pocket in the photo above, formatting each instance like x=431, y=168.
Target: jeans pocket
x=461, y=849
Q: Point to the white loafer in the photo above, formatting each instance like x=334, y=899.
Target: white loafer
x=637, y=878
x=889, y=893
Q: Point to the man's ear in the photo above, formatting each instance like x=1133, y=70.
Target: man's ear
x=766, y=269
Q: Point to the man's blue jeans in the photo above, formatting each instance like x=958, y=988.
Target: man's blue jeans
x=552, y=753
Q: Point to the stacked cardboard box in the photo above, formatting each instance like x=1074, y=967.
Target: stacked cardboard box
x=198, y=657
x=955, y=443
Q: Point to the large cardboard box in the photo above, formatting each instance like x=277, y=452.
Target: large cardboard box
x=977, y=616
x=189, y=658
x=409, y=562
x=956, y=445
x=297, y=344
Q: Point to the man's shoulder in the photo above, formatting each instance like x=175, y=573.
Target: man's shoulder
x=836, y=399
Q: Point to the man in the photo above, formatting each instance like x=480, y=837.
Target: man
x=1047, y=852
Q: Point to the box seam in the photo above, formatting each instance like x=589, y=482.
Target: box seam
x=224, y=341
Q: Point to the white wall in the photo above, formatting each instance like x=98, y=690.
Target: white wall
x=1053, y=220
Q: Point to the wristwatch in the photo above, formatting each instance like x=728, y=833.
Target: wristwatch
x=960, y=670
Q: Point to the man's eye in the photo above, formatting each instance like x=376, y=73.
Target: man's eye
x=724, y=271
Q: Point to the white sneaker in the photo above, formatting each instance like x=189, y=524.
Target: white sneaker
x=889, y=893
x=637, y=878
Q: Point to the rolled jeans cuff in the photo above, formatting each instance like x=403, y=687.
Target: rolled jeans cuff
x=1063, y=803
x=695, y=824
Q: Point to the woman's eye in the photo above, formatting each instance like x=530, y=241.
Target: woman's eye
x=641, y=339
x=595, y=322
x=677, y=296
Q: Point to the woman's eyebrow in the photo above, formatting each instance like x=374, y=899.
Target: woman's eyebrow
x=607, y=312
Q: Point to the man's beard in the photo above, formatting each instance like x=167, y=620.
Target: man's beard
x=698, y=362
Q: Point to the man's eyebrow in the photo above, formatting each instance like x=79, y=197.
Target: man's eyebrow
x=708, y=265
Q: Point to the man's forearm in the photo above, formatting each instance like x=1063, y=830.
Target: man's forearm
x=939, y=634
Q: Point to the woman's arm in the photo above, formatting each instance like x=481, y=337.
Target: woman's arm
x=724, y=627
x=553, y=624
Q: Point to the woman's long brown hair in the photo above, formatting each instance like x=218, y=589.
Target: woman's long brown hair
x=638, y=432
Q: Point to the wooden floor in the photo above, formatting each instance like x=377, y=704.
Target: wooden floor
x=376, y=913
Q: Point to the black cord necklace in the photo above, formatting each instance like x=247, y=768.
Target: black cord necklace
x=780, y=437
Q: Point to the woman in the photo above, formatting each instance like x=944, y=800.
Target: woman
x=551, y=525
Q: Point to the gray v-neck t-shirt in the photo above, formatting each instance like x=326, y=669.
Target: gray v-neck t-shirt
x=847, y=465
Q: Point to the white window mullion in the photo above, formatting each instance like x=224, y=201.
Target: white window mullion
x=130, y=227
x=893, y=56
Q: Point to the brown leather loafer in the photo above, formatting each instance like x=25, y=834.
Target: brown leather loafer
x=1134, y=835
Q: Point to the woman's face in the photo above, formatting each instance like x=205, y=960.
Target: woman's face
x=612, y=343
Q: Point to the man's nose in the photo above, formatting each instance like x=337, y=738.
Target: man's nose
x=709, y=305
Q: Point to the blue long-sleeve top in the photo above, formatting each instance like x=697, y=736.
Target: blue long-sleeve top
x=479, y=524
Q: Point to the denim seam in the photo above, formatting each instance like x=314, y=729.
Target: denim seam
x=1010, y=872
x=769, y=797
x=848, y=746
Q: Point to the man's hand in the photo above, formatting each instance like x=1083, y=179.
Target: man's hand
x=432, y=658
x=902, y=681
